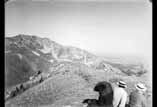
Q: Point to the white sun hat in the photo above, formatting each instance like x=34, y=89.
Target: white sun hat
x=122, y=83
x=140, y=87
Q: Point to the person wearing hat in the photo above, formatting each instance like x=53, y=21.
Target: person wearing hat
x=137, y=97
x=120, y=95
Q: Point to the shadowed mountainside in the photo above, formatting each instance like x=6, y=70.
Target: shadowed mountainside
x=25, y=55
x=67, y=73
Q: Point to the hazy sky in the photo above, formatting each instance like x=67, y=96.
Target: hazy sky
x=102, y=28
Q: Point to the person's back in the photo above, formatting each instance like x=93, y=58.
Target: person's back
x=137, y=99
x=119, y=95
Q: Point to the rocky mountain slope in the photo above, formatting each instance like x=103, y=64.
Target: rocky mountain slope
x=25, y=55
x=30, y=53
x=62, y=75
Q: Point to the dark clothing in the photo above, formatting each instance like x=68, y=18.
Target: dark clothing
x=105, y=96
x=137, y=99
x=95, y=103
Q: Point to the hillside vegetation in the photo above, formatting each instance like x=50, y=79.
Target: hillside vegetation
x=42, y=73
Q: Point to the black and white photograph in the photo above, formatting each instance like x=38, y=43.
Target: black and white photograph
x=78, y=53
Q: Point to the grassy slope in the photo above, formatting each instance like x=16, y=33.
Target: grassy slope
x=70, y=86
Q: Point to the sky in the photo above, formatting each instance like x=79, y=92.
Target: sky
x=103, y=28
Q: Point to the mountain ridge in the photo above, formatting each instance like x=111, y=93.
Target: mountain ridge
x=30, y=60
